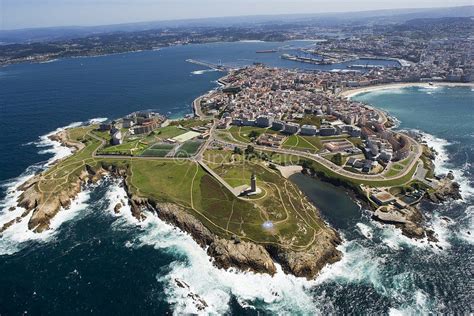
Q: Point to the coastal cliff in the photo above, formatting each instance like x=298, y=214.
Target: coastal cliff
x=226, y=251
x=245, y=255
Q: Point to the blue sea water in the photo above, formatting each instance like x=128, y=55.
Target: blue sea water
x=95, y=261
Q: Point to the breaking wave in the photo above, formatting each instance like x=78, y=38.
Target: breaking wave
x=192, y=279
x=193, y=283
x=200, y=72
x=443, y=164
x=466, y=226
x=17, y=236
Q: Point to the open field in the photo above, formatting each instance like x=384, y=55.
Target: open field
x=294, y=219
x=304, y=143
x=394, y=170
x=168, y=132
x=188, y=148
x=135, y=147
x=241, y=133
x=59, y=177
x=291, y=221
x=310, y=120
x=158, y=150
x=189, y=123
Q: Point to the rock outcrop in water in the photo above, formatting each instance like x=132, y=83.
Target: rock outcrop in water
x=448, y=189
x=62, y=138
x=45, y=206
x=309, y=262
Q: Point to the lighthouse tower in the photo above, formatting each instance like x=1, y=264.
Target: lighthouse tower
x=253, y=183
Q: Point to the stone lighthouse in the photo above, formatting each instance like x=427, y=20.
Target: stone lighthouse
x=253, y=183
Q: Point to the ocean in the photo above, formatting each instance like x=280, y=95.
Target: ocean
x=94, y=261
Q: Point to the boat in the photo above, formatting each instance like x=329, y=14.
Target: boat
x=266, y=51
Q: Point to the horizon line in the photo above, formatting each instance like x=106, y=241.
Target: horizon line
x=228, y=16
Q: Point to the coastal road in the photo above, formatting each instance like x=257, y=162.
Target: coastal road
x=331, y=166
x=415, y=155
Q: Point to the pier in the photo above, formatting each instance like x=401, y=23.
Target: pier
x=219, y=67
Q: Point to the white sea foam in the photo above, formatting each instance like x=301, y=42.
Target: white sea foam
x=363, y=264
x=17, y=236
x=116, y=194
x=97, y=120
x=393, y=238
x=365, y=230
x=358, y=265
x=251, y=41
x=201, y=279
x=281, y=293
x=428, y=88
x=443, y=165
x=49, y=61
x=466, y=226
x=200, y=72
x=421, y=306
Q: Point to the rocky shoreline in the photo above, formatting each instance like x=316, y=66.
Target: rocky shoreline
x=413, y=223
x=226, y=253
x=241, y=254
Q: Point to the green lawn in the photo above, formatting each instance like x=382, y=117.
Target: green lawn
x=241, y=133
x=135, y=147
x=374, y=183
x=158, y=150
x=310, y=120
x=188, y=148
x=189, y=123
x=304, y=143
x=168, y=181
x=168, y=132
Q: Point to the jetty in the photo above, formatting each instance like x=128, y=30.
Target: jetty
x=219, y=66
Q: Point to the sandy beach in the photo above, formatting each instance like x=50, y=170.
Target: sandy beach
x=288, y=171
x=352, y=92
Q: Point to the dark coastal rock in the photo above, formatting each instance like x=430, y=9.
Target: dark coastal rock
x=62, y=138
x=227, y=253
x=43, y=206
x=244, y=255
x=429, y=152
x=413, y=230
x=308, y=263
x=117, y=208
x=179, y=217
x=447, y=190
x=431, y=235
x=6, y=225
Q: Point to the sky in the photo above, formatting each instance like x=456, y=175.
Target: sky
x=16, y=14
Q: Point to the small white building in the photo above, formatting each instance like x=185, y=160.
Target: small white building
x=116, y=138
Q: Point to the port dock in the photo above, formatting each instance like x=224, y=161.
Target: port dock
x=218, y=67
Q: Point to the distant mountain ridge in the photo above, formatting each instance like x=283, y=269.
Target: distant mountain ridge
x=361, y=17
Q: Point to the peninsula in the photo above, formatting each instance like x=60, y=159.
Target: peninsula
x=220, y=175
